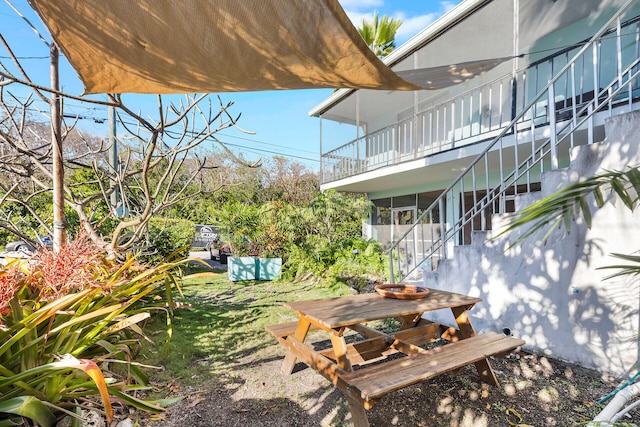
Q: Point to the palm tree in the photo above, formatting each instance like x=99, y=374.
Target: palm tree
x=379, y=34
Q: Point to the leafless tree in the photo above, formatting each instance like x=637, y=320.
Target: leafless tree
x=158, y=165
x=291, y=182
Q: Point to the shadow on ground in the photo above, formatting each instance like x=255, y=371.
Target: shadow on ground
x=250, y=390
x=535, y=391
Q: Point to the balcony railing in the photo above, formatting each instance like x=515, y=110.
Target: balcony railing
x=481, y=113
x=442, y=127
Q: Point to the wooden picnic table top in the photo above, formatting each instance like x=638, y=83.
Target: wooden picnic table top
x=353, y=309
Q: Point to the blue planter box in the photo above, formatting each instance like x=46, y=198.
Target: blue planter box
x=268, y=268
x=241, y=268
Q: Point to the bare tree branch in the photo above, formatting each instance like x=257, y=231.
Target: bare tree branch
x=158, y=163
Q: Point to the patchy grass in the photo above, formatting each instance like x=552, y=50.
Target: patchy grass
x=226, y=322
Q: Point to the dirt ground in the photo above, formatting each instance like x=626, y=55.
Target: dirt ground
x=535, y=391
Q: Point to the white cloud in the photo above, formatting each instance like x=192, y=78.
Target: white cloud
x=357, y=17
x=413, y=25
x=446, y=6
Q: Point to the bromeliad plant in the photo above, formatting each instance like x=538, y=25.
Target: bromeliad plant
x=70, y=329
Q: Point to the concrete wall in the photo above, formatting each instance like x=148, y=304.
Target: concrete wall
x=553, y=295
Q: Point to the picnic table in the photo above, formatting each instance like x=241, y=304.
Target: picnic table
x=401, y=357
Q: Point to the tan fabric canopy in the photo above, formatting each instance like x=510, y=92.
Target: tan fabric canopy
x=187, y=46
x=200, y=46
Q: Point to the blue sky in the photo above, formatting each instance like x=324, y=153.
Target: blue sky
x=278, y=118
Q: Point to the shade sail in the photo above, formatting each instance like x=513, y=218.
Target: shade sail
x=188, y=46
x=450, y=75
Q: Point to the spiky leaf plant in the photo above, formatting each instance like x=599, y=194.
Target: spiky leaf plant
x=70, y=330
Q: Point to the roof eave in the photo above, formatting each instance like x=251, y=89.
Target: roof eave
x=442, y=24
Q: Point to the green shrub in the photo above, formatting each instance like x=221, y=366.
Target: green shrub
x=272, y=235
x=168, y=238
x=325, y=235
x=314, y=240
x=241, y=225
x=355, y=262
x=360, y=263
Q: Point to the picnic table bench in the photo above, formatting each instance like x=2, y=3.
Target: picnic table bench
x=402, y=360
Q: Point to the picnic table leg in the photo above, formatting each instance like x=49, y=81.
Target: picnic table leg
x=466, y=330
x=300, y=334
x=358, y=413
x=407, y=322
x=340, y=349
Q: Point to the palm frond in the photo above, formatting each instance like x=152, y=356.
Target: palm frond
x=632, y=269
x=567, y=205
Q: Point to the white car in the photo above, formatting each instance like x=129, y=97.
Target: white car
x=26, y=247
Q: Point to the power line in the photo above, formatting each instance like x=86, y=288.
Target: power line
x=258, y=150
x=254, y=150
x=25, y=57
x=255, y=141
x=79, y=117
x=264, y=142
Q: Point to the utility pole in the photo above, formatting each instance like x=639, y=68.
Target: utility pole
x=59, y=217
x=113, y=162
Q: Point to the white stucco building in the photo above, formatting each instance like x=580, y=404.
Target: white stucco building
x=443, y=167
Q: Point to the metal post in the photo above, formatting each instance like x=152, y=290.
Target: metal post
x=113, y=162
x=551, y=114
x=321, y=154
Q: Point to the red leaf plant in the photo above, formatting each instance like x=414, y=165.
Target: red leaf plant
x=49, y=275
x=78, y=265
x=11, y=281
